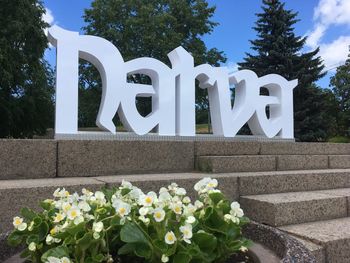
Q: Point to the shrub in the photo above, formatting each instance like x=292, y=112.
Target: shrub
x=126, y=225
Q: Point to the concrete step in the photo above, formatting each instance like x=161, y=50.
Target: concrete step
x=332, y=235
x=297, y=207
x=255, y=183
x=254, y=163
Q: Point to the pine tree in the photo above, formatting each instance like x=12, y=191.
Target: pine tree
x=278, y=50
x=340, y=83
x=26, y=80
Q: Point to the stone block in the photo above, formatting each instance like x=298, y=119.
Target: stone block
x=333, y=235
x=291, y=148
x=292, y=181
x=24, y=159
x=339, y=161
x=228, y=164
x=97, y=158
x=293, y=208
x=226, y=148
x=301, y=162
x=16, y=194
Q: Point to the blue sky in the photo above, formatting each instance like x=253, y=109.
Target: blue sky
x=326, y=22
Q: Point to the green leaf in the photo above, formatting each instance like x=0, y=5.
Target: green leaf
x=85, y=242
x=28, y=214
x=57, y=252
x=15, y=238
x=182, y=258
x=207, y=242
x=216, y=197
x=126, y=249
x=143, y=250
x=131, y=233
x=32, y=238
x=42, y=230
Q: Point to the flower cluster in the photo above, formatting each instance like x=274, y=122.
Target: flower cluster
x=160, y=227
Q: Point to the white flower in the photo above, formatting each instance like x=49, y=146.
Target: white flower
x=87, y=192
x=159, y=214
x=243, y=249
x=173, y=187
x=58, y=218
x=65, y=260
x=66, y=206
x=97, y=227
x=53, y=260
x=198, y=204
x=19, y=224
x=135, y=193
x=164, y=197
x=163, y=190
x=187, y=233
x=78, y=220
x=236, y=210
x=213, y=183
x=145, y=220
x=83, y=205
x=202, y=184
x=96, y=235
x=165, y=258
x=170, y=238
x=32, y=247
x=143, y=211
x=122, y=208
x=149, y=199
x=31, y=226
x=189, y=210
x=177, y=208
x=73, y=213
x=186, y=200
x=180, y=191
x=49, y=239
x=190, y=220
x=126, y=184
x=100, y=197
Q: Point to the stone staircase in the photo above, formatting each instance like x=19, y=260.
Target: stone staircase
x=300, y=188
x=306, y=195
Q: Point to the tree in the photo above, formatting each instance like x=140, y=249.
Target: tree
x=278, y=50
x=340, y=83
x=149, y=28
x=25, y=78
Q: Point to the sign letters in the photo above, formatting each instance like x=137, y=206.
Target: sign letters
x=172, y=91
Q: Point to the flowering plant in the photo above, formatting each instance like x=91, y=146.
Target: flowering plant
x=127, y=225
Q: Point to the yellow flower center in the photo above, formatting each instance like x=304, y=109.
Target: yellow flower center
x=170, y=237
x=53, y=231
x=177, y=209
x=18, y=221
x=74, y=213
x=158, y=215
x=122, y=210
x=148, y=200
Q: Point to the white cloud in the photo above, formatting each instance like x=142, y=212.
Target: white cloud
x=336, y=52
x=48, y=16
x=330, y=13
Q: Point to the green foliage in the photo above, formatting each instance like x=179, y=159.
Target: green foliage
x=339, y=139
x=149, y=28
x=127, y=225
x=340, y=83
x=26, y=81
x=278, y=50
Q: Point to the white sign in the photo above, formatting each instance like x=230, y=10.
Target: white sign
x=172, y=92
